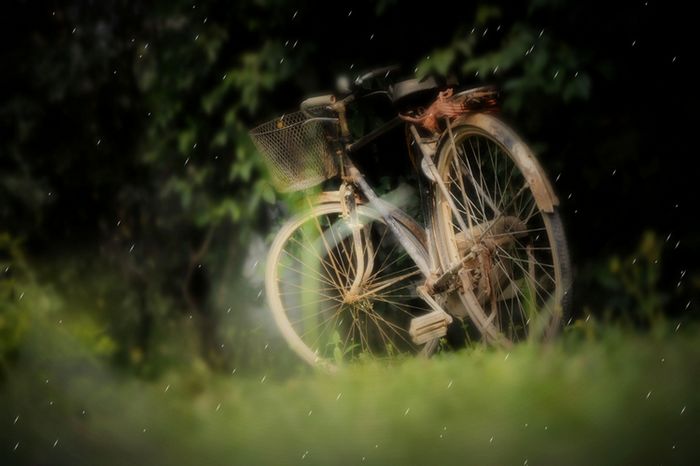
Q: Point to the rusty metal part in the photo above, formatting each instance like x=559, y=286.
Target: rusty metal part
x=498, y=232
x=449, y=105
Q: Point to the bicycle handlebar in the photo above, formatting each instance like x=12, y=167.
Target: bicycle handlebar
x=319, y=101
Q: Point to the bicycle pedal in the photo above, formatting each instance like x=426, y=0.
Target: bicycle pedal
x=429, y=326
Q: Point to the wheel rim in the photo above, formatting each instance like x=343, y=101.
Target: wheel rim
x=327, y=309
x=516, y=273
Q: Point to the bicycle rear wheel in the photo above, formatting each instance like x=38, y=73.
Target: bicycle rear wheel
x=519, y=271
x=337, y=297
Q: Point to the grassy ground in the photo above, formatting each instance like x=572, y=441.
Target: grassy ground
x=594, y=397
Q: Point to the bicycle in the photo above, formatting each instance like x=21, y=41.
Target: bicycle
x=353, y=276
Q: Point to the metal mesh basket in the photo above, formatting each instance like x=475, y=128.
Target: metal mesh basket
x=298, y=150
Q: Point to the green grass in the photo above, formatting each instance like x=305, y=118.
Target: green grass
x=612, y=397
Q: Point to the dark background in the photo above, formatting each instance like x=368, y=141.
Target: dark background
x=135, y=215
x=126, y=172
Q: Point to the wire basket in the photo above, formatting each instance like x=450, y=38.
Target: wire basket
x=298, y=150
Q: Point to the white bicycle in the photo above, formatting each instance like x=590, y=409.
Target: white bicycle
x=354, y=276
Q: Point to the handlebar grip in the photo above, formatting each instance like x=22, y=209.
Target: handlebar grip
x=320, y=101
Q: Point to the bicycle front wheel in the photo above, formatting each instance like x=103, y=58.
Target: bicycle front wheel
x=342, y=288
x=515, y=252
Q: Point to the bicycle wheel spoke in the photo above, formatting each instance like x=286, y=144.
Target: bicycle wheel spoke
x=316, y=264
x=513, y=262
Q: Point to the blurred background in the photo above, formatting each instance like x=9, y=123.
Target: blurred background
x=135, y=213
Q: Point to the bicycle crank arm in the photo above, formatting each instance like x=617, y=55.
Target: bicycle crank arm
x=429, y=326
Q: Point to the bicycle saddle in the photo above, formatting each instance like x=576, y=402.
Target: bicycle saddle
x=413, y=91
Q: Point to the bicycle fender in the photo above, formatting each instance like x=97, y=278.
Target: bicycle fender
x=542, y=190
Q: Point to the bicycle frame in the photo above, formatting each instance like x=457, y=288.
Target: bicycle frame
x=351, y=174
x=429, y=327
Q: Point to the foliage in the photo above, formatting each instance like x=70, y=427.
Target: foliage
x=529, y=62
